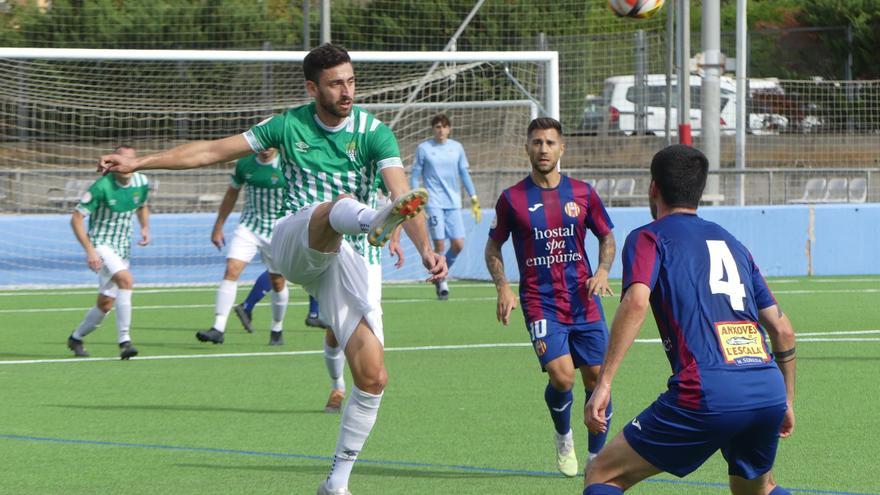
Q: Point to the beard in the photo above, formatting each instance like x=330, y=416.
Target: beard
x=653, y=205
x=542, y=168
x=333, y=107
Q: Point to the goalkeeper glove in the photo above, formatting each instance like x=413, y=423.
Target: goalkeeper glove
x=475, y=208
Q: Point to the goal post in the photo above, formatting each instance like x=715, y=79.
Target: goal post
x=62, y=108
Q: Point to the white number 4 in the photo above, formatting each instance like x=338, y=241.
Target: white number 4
x=720, y=262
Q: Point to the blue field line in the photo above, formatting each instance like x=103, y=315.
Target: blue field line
x=455, y=467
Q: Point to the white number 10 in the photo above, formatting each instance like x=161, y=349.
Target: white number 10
x=721, y=261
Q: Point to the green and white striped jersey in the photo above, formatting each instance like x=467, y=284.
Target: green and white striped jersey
x=110, y=207
x=265, y=190
x=321, y=162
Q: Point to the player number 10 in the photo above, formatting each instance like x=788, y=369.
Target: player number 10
x=538, y=329
x=721, y=261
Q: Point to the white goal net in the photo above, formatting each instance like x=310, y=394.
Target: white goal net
x=61, y=109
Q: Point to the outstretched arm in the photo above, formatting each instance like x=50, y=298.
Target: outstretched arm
x=782, y=338
x=624, y=330
x=495, y=264
x=193, y=154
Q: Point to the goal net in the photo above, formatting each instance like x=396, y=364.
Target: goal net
x=61, y=109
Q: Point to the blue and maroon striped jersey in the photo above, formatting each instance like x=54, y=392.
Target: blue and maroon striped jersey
x=549, y=227
x=705, y=295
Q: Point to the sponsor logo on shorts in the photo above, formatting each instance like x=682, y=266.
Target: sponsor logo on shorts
x=636, y=423
x=741, y=343
x=540, y=347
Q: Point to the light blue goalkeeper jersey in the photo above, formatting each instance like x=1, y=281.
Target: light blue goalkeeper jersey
x=443, y=168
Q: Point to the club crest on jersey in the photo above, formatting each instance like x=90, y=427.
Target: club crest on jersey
x=540, y=347
x=572, y=209
x=136, y=196
x=274, y=178
x=351, y=151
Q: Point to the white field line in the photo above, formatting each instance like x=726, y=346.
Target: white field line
x=803, y=337
x=394, y=301
x=187, y=306
x=212, y=287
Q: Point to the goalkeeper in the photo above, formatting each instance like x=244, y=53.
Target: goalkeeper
x=443, y=166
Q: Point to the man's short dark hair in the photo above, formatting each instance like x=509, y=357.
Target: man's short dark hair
x=441, y=119
x=323, y=57
x=680, y=174
x=544, y=123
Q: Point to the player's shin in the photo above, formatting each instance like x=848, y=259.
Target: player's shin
x=223, y=304
x=335, y=361
x=358, y=419
x=595, y=441
x=451, y=255
x=602, y=489
x=279, y=308
x=559, y=404
x=123, y=314
x=261, y=286
x=92, y=320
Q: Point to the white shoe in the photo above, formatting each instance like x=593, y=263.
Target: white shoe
x=388, y=218
x=566, y=458
x=323, y=490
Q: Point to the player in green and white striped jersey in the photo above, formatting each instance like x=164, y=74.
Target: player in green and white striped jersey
x=331, y=153
x=265, y=202
x=109, y=203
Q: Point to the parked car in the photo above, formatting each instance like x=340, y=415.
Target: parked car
x=622, y=95
x=593, y=117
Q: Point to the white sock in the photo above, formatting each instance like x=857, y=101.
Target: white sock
x=443, y=285
x=225, y=300
x=334, y=358
x=279, y=308
x=123, y=314
x=93, y=318
x=348, y=216
x=358, y=419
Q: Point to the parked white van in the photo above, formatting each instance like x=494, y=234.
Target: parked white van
x=621, y=94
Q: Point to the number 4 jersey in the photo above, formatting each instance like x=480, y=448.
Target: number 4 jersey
x=706, y=292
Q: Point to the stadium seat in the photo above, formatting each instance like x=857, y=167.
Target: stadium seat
x=71, y=193
x=814, y=191
x=624, y=187
x=604, y=187
x=858, y=190
x=836, y=191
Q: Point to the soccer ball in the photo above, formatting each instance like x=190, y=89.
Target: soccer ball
x=637, y=9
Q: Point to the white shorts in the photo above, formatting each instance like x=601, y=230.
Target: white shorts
x=112, y=264
x=245, y=244
x=346, y=287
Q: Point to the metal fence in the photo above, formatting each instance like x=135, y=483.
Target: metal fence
x=201, y=191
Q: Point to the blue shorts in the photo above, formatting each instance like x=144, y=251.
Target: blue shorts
x=445, y=223
x=585, y=342
x=678, y=440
